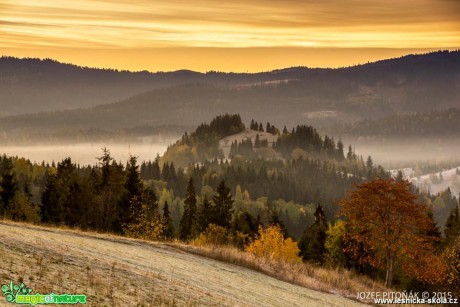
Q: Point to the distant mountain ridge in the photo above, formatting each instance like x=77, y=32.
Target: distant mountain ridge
x=319, y=97
x=33, y=85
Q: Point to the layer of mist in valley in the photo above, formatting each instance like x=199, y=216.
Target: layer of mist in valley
x=403, y=153
x=430, y=164
x=86, y=153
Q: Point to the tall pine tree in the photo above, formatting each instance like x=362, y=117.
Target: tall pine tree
x=204, y=214
x=311, y=243
x=452, y=230
x=223, y=206
x=168, y=231
x=133, y=186
x=8, y=186
x=188, y=220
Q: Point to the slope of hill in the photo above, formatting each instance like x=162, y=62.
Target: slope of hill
x=115, y=271
x=318, y=97
x=248, y=134
x=443, y=123
x=437, y=182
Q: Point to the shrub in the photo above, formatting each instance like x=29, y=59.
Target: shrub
x=270, y=243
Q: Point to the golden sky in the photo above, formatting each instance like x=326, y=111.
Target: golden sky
x=236, y=35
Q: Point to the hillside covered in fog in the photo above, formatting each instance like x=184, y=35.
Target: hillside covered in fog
x=414, y=83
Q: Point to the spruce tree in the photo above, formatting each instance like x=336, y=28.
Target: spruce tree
x=105, y=162
x=133, y=182
x=244, y=223
x=188, y=220
x=433, y=229
x=452, y=229
x=150, y=199
x=156, y=172
x=168, y=231
x=204, y=214
x=133, y=186
x=261, y=128
x=223, y=206
x=350, y=154
x=275, y=220
x=340, y=153
x=311, y=243
x=109, y=182
x=51, y=210
x=8, y=186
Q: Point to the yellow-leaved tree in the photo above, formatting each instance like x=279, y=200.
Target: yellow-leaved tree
x=270, y=244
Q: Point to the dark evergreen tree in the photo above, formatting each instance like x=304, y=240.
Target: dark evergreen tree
x=69, y=192
x=204, y=214
x=8, y=186
x=109, y=181
x=51, y=209
x=311, y=243
x=223, y=206
x=133, y=182
x=168, y=231
x=340, y=154
x=244, y=223
x=150, y=199
x=369, y=162
x=452, y=229
x=350, y=154
x=133, y=186
x=105, y=162
x=433, y=229
x=187, y=225
x=156, y=172
x=275, y=220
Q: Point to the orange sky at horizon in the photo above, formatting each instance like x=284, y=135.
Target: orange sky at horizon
x=240, y=36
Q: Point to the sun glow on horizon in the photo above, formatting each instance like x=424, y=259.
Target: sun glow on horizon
x=125, y=29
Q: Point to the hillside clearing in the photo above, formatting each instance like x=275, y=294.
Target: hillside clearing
x=226, y=142
x=116, y=271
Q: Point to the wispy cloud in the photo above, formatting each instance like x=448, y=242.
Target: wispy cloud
x=213, y=23
x=250, y=35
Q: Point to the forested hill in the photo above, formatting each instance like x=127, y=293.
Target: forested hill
x=205, y=143
x=33, y=85
x=443, y=124
x=413, y=83
x=301, y=167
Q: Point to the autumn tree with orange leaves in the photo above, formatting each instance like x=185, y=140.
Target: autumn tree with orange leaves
x=387, y=228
